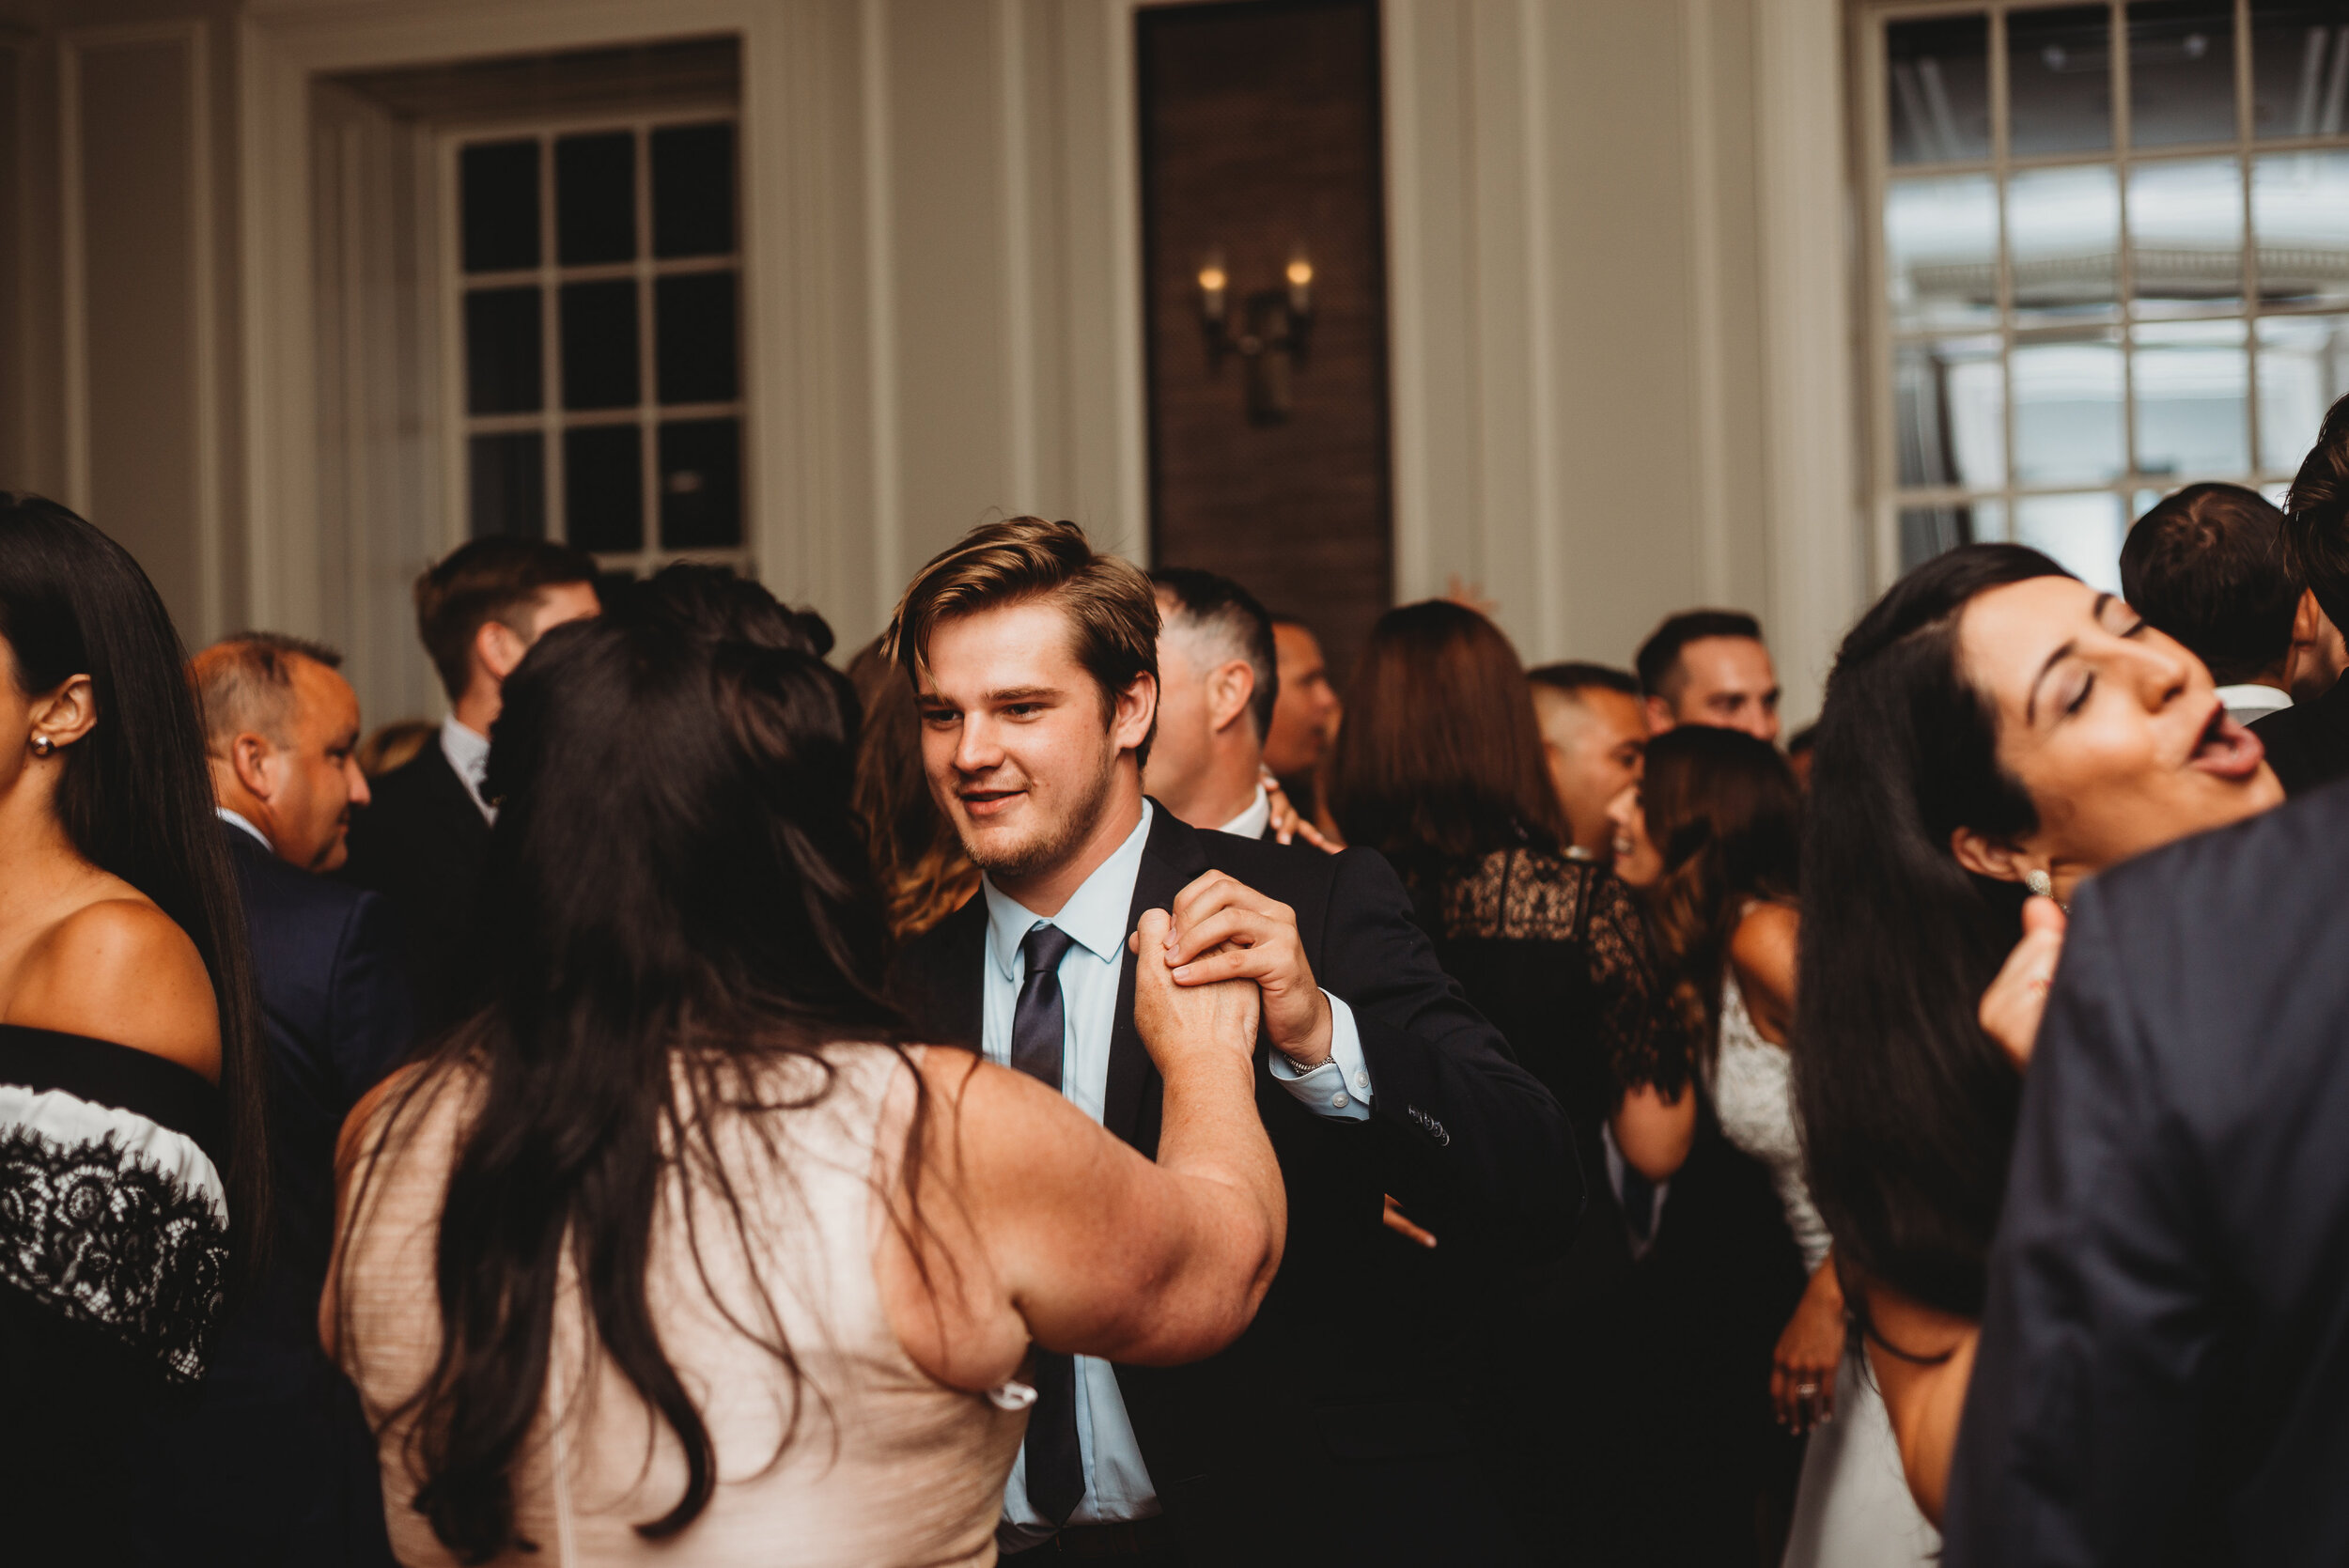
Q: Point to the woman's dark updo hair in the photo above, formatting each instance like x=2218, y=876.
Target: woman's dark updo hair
x=677, y=899
x=1907, y=1107
x=1725, y=814
x=135, y=795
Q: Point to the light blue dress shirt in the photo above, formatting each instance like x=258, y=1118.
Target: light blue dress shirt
x=1118, y=1484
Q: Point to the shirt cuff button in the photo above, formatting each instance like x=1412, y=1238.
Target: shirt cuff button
x=1362, y=1082
x=1339, y=1101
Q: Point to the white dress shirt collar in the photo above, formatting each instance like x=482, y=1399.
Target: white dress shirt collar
x=468, y=754
x=237, y=820
x=1094, y=914
x=1254, y=820
x=2253, y=701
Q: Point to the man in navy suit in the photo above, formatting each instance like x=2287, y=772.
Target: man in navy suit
x=2163, y=1373
x=424, y=839
x=1218, y=682
x=276, y=1467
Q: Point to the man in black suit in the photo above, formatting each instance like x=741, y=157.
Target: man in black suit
x=2308, y=744
x=1324, y=1434
x=1219, y=681
x=423, y=841
x=2163, y=1372
x=277, y=1467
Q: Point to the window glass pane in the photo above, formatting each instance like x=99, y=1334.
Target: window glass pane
x=2067, y=410
x=2300, y=217
x=507, y=483
x=498, y=205
x=1941, y=247
x=2299, y=67
x=701, y=484
x=693, y=319
x=2058, y=68
x=2303, y=367
x=595, y=198
x=2180, y=71
x=1950, y=401
x=502, y=352
x=1938, y=86
x=599, y=360
x=2063, y=238
x=2186, y=230
x=693, y=189
x=2082, y=531
x=603, y=486
x=2192, y=381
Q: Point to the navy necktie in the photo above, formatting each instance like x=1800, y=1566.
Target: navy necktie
x=1055, y=1469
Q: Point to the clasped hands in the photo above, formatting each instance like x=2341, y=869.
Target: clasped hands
x=1222, y=929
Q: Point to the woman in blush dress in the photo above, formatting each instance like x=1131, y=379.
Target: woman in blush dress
x=1994, y=731
x=1711, y=835
x=133, y=1165
x=678, y=1250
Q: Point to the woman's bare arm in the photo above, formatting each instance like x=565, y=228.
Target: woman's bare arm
x=1922, y=1358
x=121, y=969
x=1036, y=1223
x=1762, y=956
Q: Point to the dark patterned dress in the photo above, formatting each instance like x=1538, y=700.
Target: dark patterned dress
x=114, y=1250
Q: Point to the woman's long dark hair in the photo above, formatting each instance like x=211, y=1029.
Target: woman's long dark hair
x=1439, y=761
x=1908, y=1108
x=1723, y=811
x=917, y=857
x=676, y=898
x=136, y=794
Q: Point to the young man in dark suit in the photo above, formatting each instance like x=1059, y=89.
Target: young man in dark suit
x=423, y=841
x=278, y=1466
x=1324, y=1434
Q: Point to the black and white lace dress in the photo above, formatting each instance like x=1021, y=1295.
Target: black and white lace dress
x=114, y=1253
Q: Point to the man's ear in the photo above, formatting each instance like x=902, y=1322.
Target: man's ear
x=1987, y=857
x=1229, y=689
x=253, y=761
x=68, y=713
x=498, y=648
x=1660, y=715
x=1137, y=711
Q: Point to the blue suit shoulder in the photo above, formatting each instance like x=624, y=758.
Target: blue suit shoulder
x=276, y=891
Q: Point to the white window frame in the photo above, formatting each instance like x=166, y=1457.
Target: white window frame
x=1887, y=498
x=551, y=419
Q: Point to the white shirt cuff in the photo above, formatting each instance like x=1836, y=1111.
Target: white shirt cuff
x=1339, y=1088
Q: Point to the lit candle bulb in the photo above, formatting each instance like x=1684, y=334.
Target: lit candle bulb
x=1211, y=285
x=1301, y=276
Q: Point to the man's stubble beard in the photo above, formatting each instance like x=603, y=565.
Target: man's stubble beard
x=1059, y=842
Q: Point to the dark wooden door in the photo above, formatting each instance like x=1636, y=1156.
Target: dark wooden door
x=1260, y=145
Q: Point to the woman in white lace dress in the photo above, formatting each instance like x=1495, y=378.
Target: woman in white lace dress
x=1710, y=835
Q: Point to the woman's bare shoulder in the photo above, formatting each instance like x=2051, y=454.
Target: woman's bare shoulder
x=118, y=969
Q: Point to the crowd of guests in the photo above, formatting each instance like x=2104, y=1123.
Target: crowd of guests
x=1083, y=1082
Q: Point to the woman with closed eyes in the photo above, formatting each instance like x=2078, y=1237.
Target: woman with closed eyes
x=1994, y=731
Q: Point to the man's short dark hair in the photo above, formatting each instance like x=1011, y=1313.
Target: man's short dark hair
x=489, y=579
x=2316, y=517
x=1228, y=615
x=1573, y=678
x=2208, y=566
x=1659, y=660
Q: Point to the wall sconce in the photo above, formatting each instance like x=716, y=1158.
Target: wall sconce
x=1275, y=329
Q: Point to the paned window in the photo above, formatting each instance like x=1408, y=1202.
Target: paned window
x=597, y=340
x=2108, y=258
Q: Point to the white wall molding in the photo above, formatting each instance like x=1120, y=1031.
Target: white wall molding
x=1818, y=555
x=76, y=46
x=1709, y=369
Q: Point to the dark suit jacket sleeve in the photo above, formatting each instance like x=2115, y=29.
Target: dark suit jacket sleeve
x=1472, y=1141
x=371, y=1010
x=2077, y=1440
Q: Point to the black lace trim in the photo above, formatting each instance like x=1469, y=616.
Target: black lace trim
x=107, y=1240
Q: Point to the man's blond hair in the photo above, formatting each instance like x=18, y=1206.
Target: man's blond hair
x=1112, y=610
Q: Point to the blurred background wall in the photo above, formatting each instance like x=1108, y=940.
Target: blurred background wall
x=1610, y=306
